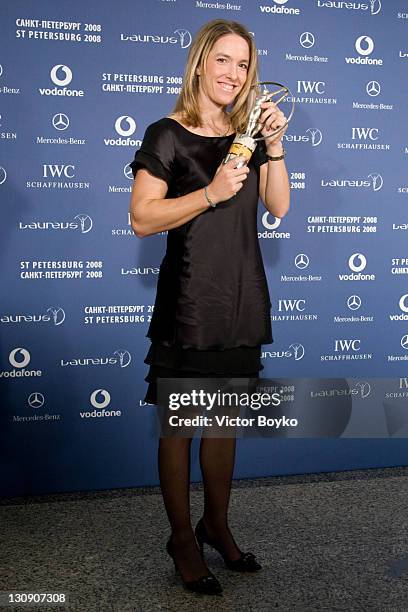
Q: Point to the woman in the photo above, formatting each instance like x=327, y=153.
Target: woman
x=212, y=309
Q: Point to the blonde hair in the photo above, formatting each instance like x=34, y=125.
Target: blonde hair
x=187, y=102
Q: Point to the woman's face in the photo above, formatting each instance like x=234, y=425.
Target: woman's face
x=226, y=70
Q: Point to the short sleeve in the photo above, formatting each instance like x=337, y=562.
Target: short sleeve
x=156, y=153
x=259, y=156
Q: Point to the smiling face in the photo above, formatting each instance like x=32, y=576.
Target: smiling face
x=225, y=71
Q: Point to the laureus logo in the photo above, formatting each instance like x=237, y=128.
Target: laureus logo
x=181, y=36
x=85, y=223
x=363, y=388
x=311, y=136
x=295, y=351
x=57, y=315
x=124, y=357
x=373, y=181
x=3, y=175
x=184, y=37
x=373, y=6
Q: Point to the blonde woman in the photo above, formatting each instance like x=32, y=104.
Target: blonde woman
x=212, y=308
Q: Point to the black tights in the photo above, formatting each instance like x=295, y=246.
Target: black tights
x=217, y=457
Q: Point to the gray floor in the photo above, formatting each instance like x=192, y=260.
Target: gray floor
x=334, y=541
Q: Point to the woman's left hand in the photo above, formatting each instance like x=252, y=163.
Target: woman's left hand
x=272, y=118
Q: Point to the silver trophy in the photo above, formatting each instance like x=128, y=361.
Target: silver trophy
x=244, y=144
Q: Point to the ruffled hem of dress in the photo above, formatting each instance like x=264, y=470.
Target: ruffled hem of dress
x=156, y=372
x=213, y=347
x=235, y=361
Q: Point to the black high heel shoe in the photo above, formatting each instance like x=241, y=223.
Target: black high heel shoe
x=207, y=585
x=245, y=563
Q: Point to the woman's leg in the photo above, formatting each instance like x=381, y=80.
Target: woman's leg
x=174, y=472
x=217, y=458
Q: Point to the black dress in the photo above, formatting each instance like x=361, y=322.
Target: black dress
x=212, y=307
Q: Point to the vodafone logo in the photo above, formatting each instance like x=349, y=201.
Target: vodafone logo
x=364, y=45
x=279, y=8
x=402, y=303
x=357, y=262
x=61, y=76
x=19, y=358
x=22, y=361
x=54, y=76
x=266, y=223
x=100, y=398
x=271, y=224
x=131, y=123
x=352, y=262
x=125, y=126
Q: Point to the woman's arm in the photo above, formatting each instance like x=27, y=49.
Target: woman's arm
x=151, y=213
x=274, y=189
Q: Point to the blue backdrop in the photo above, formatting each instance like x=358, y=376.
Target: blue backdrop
x=79, y=83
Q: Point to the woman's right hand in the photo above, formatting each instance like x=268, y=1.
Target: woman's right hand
x=228, y=180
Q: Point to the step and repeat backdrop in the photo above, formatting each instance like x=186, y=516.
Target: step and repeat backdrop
x=79, y=83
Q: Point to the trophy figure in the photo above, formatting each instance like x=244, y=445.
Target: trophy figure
x=244, y=144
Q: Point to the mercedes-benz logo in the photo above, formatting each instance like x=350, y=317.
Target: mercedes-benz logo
x=301, y=261
x=1, y=70
x=354, y=258
x=131, y=123
x=3, y=175
x=96, y=403
x=307, y=40
x=267, y=224
x=364, y=45
x=127, y=171
x=373, y=88
x=404, y=342
x=36, y=400
x=60, y=121
x=354, y=302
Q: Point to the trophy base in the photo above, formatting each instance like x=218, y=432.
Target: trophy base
x=242, y=146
